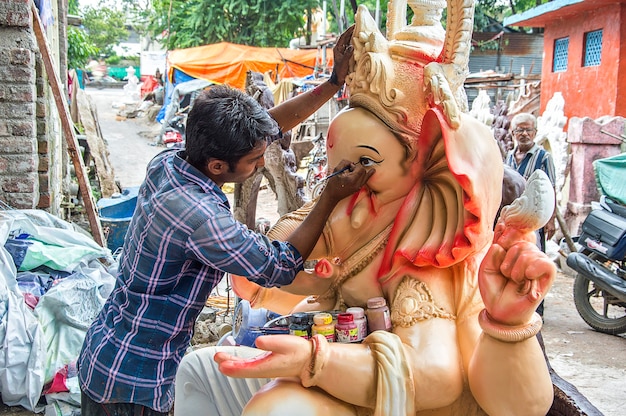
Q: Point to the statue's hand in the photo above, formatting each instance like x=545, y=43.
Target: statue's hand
x=513, y=282
x=285, y=357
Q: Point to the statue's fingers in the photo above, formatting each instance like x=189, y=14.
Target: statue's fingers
x=490, y=279
x=493, y=260
x=534, y=293
x=541, y=268
x=234, y=366
x=518, y=259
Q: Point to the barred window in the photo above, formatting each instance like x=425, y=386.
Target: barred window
x=561, y=47
x=593, y=48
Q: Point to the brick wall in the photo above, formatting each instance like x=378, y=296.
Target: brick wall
x=19, y=184
x=33, y=165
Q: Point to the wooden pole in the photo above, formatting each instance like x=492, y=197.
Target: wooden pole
x=68, y=129
x=563, y=226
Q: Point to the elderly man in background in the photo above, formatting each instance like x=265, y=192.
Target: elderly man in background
x=527, y=157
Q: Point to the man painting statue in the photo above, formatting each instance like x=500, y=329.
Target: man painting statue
x=420, y=234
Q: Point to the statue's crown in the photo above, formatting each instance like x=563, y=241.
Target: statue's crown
x=400, y=77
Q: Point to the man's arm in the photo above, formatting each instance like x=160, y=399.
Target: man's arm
x=297, y=109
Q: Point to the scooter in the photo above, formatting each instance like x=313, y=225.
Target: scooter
x=600, y=285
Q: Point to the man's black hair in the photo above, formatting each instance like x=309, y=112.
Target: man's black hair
x=225, y=124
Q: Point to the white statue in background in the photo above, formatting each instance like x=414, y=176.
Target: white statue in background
x=481, y=108
x=132, y=88
x=552, y=137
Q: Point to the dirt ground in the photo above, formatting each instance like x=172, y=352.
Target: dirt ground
x=593, y=362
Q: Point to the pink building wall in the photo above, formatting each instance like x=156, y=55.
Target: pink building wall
x=593, y=91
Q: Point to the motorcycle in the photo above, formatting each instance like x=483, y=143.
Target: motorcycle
x=600, y=285
x=316, y=167
x=175, y=131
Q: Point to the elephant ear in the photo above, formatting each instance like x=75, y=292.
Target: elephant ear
x=444, y=79
x=449, y=213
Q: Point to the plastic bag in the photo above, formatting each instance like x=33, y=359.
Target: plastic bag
x=22, y=351
x=66, y=311
x=52, y=242
x=28, y=350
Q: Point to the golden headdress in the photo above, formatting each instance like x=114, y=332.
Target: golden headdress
x=417, y=67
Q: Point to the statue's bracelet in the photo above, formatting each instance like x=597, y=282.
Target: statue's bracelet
x=319, y=352
x=508, y=333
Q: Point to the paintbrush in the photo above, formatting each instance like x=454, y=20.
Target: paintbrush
x=342, y=170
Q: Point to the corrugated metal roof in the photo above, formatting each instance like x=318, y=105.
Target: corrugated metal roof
x=541, y=15
x=510, y=43
x=518, y=50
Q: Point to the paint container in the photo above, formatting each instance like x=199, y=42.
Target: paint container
x=323, y=324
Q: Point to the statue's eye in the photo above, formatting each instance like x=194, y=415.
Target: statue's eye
x=368, y=162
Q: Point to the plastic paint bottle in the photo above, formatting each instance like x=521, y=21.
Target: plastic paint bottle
x=299, y=325
x=346, y=329
x=360, y=321
x=334, y=313
x=378, y=317
x=323, y=324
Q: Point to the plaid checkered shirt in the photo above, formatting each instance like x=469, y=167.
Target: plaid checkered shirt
x=180, y=242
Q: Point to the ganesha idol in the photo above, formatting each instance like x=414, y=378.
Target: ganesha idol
x=462, y=294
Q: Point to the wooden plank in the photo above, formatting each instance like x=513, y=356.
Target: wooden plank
x=68, y=129
x=99, y=153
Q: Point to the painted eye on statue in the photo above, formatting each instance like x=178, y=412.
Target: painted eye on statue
x=368, y=162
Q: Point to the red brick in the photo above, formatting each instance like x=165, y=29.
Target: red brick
x=44, y=163
x=21, y=201
x=22, y=129
x=17, y=74
x=20, y=93
x=44, y=182
x=18, y=185
x=20, y=56
x=15, y=145
x=20, y=164
x=42, y=146
x=21, y=19
x=44, y=201
x=40, y=107
x=4, y=128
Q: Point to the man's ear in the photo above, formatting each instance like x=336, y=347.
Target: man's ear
x=217, y=167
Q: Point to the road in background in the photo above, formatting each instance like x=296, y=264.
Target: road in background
x=595, y=363
x=129, y=140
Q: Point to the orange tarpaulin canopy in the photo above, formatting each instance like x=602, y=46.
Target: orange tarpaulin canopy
x=227, y=63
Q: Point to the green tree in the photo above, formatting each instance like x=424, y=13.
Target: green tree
x=72, y=7
x=489, y=10
x=188, y=23
x=105, y=27
x=79, y=49
x=250, y=22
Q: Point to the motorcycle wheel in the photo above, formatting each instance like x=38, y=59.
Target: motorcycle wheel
x=317, y=190
x=599, y=309
x=309, y=182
